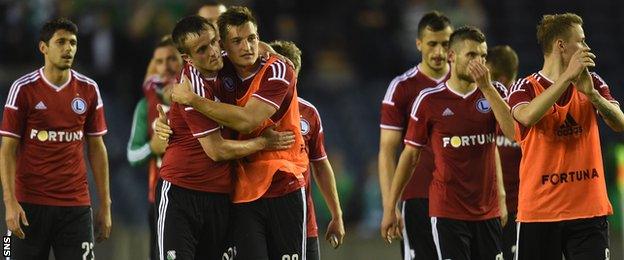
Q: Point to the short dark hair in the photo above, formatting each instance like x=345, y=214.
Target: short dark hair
x=236, y=16
x=503, y=61
x=289, y=50
x=434, y=21
x=190, y=25
x=554, y=26
x=466, y=32
x=51, y=26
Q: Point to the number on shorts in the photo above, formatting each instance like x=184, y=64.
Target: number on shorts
x=499, y=256
x=607, y=254
x=88, y=248
x=290, y=257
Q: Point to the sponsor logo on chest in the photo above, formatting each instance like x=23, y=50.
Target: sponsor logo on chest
x=56, y=136
x=467, y=140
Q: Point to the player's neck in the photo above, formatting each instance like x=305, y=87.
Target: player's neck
x=553, y=67
x=431, y=73
x=460, y=86
x=55, y=75
x=245, y=72
x=207, y=73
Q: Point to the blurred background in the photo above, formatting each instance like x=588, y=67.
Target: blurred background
x=352, y=49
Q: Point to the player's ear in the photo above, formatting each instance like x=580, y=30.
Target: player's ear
x=418, y=44
x=43, y=47
x=451, y=55
x=560, y=45
x=186, y=58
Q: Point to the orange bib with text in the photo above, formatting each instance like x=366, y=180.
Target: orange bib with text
x=255, y=172
x=561, y=172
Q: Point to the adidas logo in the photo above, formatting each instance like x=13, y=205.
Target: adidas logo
x=41, y=106
x=569, y=127
x=447, y=112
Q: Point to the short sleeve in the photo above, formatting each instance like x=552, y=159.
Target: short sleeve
x=520, y=93
x=317, y=141
x=603, y=88
x=275, y=84
x=417, y=133
x=393, y=107
x=199, y=124
x=15, y=112
x=96, y=122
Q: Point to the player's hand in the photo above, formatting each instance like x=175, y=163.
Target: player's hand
x=579, y=61
x=390, y=225
x=183, y=92
x=282, y=58
x=103, y=224
x=15, y=216
x=480, y=73
x=158, y=145
x=278, y=140
x=585, y=84
x=161, y=126
x=335, y=232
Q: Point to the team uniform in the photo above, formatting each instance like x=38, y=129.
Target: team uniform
x=395, y=111
x=193, y=198
x=50, y=181
x=139, y=151
x=510, y=155
x=269, y=214
x=563, y=203
x=312, y=131
x=463, y=196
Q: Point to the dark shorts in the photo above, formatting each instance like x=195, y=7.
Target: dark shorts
x=465, y=240
x=313, y=251
x=270, y=228
x=67, y=230
x=577, y=239
x=191, y=224
x=417, y=238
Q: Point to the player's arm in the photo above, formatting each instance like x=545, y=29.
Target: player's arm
x=326, y=181
x=529, y=114
x=242, y=119
x=610, y=111
x=481, y=74
x=139, y=149
x=98, y=159
x=389, y=142
x=14, y=213
x=500, y=184
x=220, y=149
x=391, y=225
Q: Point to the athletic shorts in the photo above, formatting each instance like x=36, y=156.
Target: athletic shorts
x=577, y=239
x=270, y=228
x=191, y=224
x=313, y=250
x=466, y=240
x=417, y=238
x=68, y=231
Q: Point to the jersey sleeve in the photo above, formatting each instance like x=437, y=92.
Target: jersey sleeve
x=317, y=140
x=199, y=124
x=275, y=84
x=138, y=150
x=520, y=93
x=417, y=133
x=95, y=124
x=393, y=107
x=15, y=112
x=603, y=88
